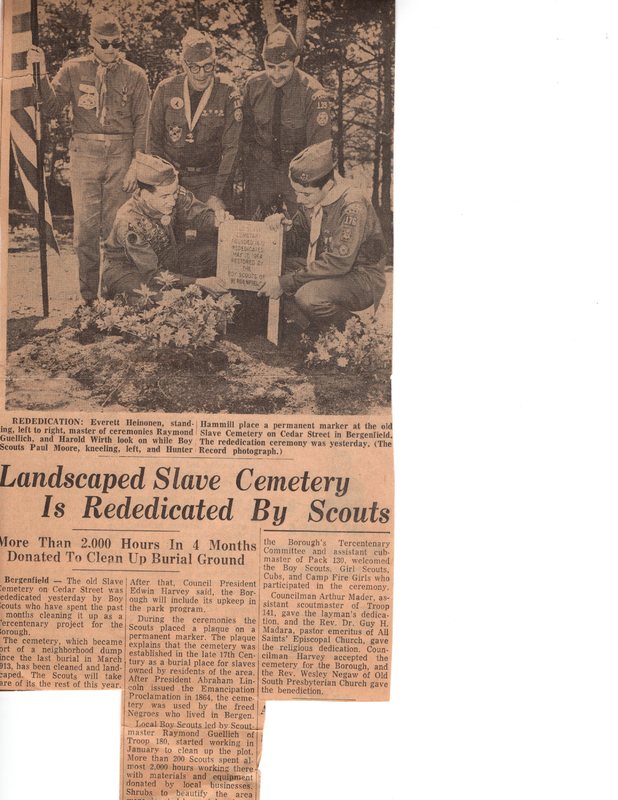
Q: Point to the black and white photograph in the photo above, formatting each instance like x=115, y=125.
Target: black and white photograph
x=200, y=206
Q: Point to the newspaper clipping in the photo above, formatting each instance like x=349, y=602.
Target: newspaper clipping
x=196, y=474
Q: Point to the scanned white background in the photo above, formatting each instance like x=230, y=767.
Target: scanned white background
x=504, y=676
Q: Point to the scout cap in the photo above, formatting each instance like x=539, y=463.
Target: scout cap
x=197, y=45
x=104, y=24
x=312, y=163
x=279, y=46
x=153, y=170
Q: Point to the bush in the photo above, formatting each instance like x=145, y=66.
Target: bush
x=179, y=320
x=359, y=347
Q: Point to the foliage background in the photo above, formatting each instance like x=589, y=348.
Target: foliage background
x=349, y=48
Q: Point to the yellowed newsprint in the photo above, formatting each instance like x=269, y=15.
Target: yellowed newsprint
x=196, y=488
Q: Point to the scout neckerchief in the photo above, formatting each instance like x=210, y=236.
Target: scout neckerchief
x=317, y=212
x=100, y=85
x=198, y=111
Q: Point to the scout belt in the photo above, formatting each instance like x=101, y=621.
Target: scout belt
x=104, y=137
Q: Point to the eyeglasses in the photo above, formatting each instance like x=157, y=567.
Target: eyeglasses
x=195, y=69
x=105, y=43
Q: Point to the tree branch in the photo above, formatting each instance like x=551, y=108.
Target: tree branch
x=269, y=13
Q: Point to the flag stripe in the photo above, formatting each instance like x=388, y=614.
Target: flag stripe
x=21, y=23
x=19, y=62
x=21, y=6
x=23, y=141
x=31, y=193
x=22, y=128
x=22, y=42
x=26, y=166
x=23, y=118
x=22, y=98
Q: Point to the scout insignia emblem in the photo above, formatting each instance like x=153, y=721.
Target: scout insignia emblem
x=346, y=235
x=238, y=115
x=343, y=250
x=189, y=137
x=322, y=118
x=177, y=103
x=87, y=101
x=174, y=132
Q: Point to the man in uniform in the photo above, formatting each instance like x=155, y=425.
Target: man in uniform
x=334, y=245
x=142, y=244
x=109, y=98
x=285, y=110
x=195, y=123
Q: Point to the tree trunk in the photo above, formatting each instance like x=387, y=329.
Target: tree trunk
x=301, y=22
x=377, y=154
x=270, y=14
x=340, y=105
x=388, y=37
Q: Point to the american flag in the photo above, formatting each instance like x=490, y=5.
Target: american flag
x=23, y=119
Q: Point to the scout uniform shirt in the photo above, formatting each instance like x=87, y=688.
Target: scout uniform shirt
x=305, y=117
x=142, y=245
x=211, y=146
x=350, y=240
x=116, y=105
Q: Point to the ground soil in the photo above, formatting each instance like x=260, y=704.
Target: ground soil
x=51, y=365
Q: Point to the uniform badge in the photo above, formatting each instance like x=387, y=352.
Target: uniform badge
x=238, y=115
x=343, y=249
x=323, y=104
x=189, y=137
x=166, y=219
x=322, y=118
x=346, y=235
x=350, y=219
x=87, y=101
x=125, y=95
x=177, y=103
x=277, y=39
x=174, y=132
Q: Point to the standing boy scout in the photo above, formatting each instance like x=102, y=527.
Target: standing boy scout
x=285, y=110
x=195, y=121
x=334, y=245
x=110, y=100
x=142, y=243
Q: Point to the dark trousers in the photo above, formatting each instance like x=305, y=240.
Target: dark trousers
x=328, y=301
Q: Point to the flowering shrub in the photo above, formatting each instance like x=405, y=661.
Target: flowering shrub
x=180, y=319
x=359, y=347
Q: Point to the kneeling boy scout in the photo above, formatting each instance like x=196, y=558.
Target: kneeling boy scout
x=334, y=244
x=142, y=242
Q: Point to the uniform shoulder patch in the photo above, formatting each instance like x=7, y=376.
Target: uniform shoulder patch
x=352, y=211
